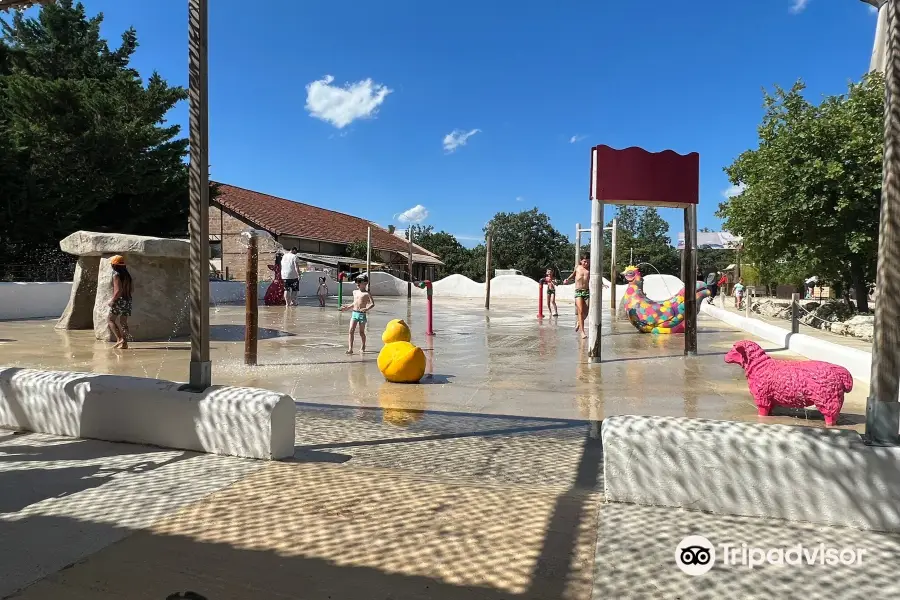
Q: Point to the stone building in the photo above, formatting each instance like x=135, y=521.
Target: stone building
x=321, y=236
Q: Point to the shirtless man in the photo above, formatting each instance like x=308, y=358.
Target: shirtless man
x=582, y=276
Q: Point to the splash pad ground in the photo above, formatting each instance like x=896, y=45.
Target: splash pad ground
x=498, y=362
x=487, y=482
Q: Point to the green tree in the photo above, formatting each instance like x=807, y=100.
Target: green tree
x=527, y=241
x=812, y=187
x=643, y=233
x=84, y=142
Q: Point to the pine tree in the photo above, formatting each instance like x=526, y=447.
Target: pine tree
x=84, y=142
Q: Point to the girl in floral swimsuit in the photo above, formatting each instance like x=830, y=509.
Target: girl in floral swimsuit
x=121, y=304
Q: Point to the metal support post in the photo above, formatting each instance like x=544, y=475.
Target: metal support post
x=613, y=306
x=595, y=305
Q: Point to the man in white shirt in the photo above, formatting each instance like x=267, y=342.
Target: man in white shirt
x=290, y=273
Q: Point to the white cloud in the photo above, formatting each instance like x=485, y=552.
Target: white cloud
x=798, y=6
x=469, y=240
x=734, y=190
x=576, y=138
x=416, y=214
x=340, y=106
x=457, y=138
x=520, y=198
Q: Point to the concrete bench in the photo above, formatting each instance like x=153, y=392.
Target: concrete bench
x=234, y=421
x=787, y=472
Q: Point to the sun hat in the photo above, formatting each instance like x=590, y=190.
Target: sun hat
x=117, y=261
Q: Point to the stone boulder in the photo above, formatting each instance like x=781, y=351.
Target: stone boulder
x=89, y=243
x=79, y=312
x=161, y=274
x=860, y=326
x=768, y=308
x=827, y=315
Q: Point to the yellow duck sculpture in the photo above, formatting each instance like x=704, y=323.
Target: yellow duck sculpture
x=400, y=361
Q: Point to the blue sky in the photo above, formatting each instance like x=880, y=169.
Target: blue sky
x=536, y=84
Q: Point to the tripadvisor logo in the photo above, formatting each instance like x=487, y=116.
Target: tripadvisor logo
x=696, y=555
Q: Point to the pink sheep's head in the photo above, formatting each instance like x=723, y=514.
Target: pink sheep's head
x=743, y=353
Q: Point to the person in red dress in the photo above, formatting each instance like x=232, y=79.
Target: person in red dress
x=275, y=291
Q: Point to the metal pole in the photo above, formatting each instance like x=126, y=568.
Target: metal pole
x=879, y=47
x=577, y=243
x=200, y=376
x=369, y=257
x=795, y=313
x=613, y=306
x=251, y=329
x=487, y=273
x=409, y=283
x=596, y=282
x=689, y=260
x=882, y=406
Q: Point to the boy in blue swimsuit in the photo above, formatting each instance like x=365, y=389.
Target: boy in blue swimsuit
x=362, y=304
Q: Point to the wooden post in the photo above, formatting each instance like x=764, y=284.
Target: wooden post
x=613, y=307
x=882, y=407
x=409, y=232
x=689, y=271
x=251, y=330
x=487, y=272
x=595, y=304
x=748, y=301
x=369, y=258
x=795, y=313
x=200, y=369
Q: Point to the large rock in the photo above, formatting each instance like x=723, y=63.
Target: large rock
x=828, y=315
x=768, y=308
x=79, y=313
x=91, y=243
x=160, y=270
x=160, y=300
x=860, y=326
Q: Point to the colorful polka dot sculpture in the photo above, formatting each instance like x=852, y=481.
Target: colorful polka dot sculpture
x=649, y=316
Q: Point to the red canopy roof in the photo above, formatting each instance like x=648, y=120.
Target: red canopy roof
x=636, y=176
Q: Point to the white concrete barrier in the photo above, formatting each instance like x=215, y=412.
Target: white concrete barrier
x=798, y=473
x=33, y=300
x=40, y=300
x=234, y=421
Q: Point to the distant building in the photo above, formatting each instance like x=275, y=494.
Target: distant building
x=320, y=235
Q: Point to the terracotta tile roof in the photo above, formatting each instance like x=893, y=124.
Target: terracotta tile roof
x=286, y=217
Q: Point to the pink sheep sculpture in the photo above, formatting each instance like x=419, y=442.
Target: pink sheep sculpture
x=797, y=384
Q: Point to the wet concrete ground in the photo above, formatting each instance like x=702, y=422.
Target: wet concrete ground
x=484, y=482
x=501, y=362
